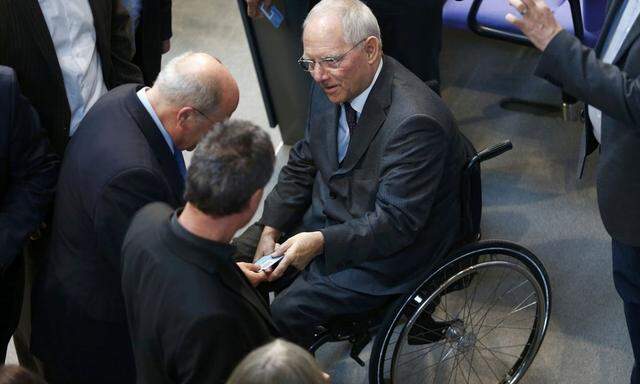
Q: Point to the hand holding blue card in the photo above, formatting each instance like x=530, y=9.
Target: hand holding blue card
x=273, y=15
x=268, y=261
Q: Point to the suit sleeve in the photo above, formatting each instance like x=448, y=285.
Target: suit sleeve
x=576, y=69
x=210, y=349
x=124, y=71
x=290, y=198
x=33, y=170
x=412, y=167
x=118, y=202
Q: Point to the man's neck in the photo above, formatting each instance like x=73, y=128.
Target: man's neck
x=202, y=225
x=164, y=113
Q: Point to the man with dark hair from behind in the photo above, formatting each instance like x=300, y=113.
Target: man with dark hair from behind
x=192, y=314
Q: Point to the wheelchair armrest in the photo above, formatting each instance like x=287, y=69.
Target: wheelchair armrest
x=490, y=153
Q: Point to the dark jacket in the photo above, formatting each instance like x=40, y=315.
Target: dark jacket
x=392, y=209
x=28, y=169
x=116, y=163
x=192, y=314
x=153, y=29
x=26, y=46
x=615, y=90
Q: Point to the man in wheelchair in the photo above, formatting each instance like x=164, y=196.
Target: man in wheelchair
x=370, y=197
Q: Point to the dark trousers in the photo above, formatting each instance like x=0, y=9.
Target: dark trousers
x=11, y=293
x=309, y=299
x=412, y=34
x=626, y=276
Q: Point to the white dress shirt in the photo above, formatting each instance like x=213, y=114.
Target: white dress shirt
x=70, y=24
x=627, y=15
x=357, y=103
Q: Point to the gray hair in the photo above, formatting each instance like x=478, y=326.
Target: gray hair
x=231, y=162
x=278, y=362
x=358, y=22
x=180, y=87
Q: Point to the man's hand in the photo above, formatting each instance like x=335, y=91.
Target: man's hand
x=537, y=21
x=298, y=251
x=252, y=7
x=252, y=273
x=166, y=46
x=267, y=243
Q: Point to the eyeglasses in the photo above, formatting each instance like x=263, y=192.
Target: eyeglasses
x=203, y=115
x=329, y=62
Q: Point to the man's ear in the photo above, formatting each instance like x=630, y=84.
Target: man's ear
x=372, y=48
x=182, y=116
x=254, y=201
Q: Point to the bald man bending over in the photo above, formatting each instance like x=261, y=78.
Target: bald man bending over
x=125, y=154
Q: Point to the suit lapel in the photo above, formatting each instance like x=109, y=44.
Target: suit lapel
x=32, y=15
x=630, y=39
x=157, y=142
x=99, y=17
x=233, y=278
x=372, y=118
x=612, y=10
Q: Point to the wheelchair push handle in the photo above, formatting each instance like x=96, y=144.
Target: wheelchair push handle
x=491, y=152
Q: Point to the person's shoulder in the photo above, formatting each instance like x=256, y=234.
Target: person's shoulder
x=147, y=219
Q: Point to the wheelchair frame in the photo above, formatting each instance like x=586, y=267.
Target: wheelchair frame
x=458, y=270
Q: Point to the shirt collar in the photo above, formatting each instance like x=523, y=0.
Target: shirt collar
x=142, y=96
x=358, y=102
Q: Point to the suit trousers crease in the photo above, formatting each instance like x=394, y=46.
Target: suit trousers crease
x=33, y=255
x=626, y=277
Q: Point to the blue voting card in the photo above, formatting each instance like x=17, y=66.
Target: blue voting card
x=273, y=15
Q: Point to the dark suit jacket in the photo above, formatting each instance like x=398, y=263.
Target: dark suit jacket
x=193, y=316
x=26, y=46
x=154, y=28
x=615, y=90
x=28, y=169
x=392, y=209
x=116, y=163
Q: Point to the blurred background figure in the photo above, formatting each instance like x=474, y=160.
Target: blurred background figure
x=66, y=55
x=151, y=30
x=28, y=172
x=14, y=374
x=279, y=362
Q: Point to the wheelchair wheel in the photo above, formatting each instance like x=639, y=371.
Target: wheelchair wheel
x=480, y=318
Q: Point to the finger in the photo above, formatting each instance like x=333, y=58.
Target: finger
x=251, y=8
x=514, y=20
x=530, y=4
x=280, y=269
x=267, y=5
x=518, y=5
x=253, y=267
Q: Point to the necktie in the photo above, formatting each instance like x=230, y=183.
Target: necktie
x=177, y=154
x=352, y=120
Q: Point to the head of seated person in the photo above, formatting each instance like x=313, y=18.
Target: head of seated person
x=342, y=48
x=14, y=374
x=279, y=362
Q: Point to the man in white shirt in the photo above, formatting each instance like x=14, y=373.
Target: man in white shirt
x=66, y=54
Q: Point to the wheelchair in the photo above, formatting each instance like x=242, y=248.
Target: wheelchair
x=480, y=317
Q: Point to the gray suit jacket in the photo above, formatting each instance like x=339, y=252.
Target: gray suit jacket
x=615, y=90
x=392, y=208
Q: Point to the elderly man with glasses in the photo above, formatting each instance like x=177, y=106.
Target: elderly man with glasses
x=369, y=199
x=126, y=153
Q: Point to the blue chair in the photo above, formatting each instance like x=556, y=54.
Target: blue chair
x=491, y=13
